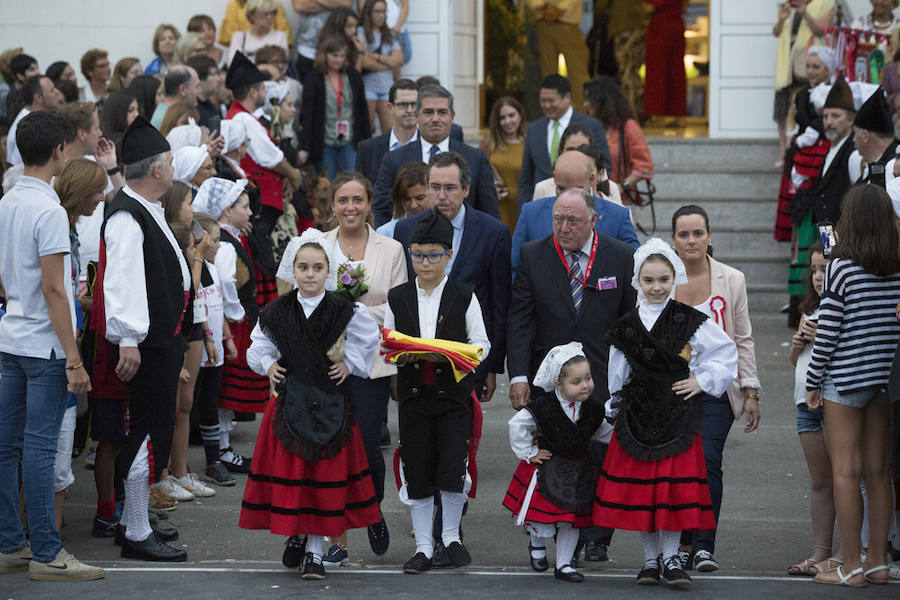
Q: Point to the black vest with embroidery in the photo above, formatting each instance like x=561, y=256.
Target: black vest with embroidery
x=451, y=325
x=245, y=278
x=653, y=422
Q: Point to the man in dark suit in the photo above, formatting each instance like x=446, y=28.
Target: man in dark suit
x=481, y=250
x=369, y=153
x=573, y=170
x=577, y=297
x=542, y=139
x=434, y=112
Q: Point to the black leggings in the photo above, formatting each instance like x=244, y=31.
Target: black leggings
x=206, y=399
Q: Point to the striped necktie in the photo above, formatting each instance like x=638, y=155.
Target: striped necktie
x=433, y=152
x=575, y=276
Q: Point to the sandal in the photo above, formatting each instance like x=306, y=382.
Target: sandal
x=843, y=580
x=806, y=568
x=875, y=570
x=827, y=566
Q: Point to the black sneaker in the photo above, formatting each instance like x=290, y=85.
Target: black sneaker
x=673, y=573
x=218, y=474
x=595, y=552
x=294, y=549
x=704, y=562
x=440, y=560
x=104, y=528
x=385, y=441
x=379, y=538
x=312, y=569
x=458, y=555
x=417, y=564
x=648, y=576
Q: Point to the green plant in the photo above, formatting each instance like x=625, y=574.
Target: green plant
x=504, y=35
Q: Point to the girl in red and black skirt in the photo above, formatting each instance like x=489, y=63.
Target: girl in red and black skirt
x=310, y=477
x=552, y=490
x=665, y=359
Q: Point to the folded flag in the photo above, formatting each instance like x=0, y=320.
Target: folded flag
x=463, y=358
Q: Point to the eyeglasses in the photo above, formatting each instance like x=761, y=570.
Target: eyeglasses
x=571, y=221
x=432, y=257
x=405, y=105
x=449, y=188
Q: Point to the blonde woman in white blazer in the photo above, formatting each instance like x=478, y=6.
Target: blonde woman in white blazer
x=355, y=241
x=721, y=292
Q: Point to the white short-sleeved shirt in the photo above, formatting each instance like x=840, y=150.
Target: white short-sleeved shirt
x=32, y=225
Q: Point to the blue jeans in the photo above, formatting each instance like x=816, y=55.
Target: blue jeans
x=337, y=159
x=717, y=420
x=33, y=399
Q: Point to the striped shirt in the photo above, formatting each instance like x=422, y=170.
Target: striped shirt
x=858, y=329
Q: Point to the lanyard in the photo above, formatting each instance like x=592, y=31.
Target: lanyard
x=590, y=265
x=339, y=92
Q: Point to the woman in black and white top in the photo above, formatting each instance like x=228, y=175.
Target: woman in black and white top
x=851, y=360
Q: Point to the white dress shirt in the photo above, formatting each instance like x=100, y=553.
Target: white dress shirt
x=443, y=146
x=13, y=157
x=236, y=166
x=459, y=223
x=429, y=305
x=125, y=280
x=359, y=348
x=563, y=123
x=394, y=142
x=226, y=265
x=262, y=149
x=213, y=313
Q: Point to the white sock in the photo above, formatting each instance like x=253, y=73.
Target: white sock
x=452, y=504
x=668, y=543
x=314, y=546
x=566, y=540
x=137, y=496
x=420, y=512
x=225, y=427
x=541, y=545
x=650, y=542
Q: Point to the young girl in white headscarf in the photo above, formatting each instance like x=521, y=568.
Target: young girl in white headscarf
x=665, y=359
x=552, y=490
x=309, y=476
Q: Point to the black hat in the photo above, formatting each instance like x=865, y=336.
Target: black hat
x=875, y=114
x=435, y=228
x=840, y=96
x=142, y=140
x=242, y=73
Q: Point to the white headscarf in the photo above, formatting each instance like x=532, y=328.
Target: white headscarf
x=548, y=373
x=234, y=133
x=185, y=135
x=276, y=91
x=310, y=236
x=893, y=190
x=819, y=94
x=826, y=55
x=217, y=194
x=649, y=248
x=187, y=161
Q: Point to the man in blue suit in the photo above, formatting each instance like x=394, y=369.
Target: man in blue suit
x=573, y=170
x=369, y=153
x=542, y=139
x=480, y=256
x=434, y=112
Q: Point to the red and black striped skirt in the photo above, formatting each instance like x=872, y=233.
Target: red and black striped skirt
x=242, y=389
x=670, y=494
x=290, y=496
x=540, y=510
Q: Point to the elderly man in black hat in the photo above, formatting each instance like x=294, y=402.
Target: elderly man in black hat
x=142, y=294
x=264, y=162
x=873, y=136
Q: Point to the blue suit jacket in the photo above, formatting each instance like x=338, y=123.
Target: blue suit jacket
x=370, y=152
x=482, y=193
x=536, y=159
x=482, y=261
x=536, y=222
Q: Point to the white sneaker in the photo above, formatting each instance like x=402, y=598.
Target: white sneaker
x=64, y=567
x=175, y=491
x=15, y=561
x=193, y=485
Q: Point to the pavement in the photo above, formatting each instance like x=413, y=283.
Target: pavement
x=764, y=527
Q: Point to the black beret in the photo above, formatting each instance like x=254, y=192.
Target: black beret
x=875, y=114
x=433, y=229
x=242, y=73
x=142, y=140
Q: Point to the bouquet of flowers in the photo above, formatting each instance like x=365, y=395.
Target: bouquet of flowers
x=351, y=282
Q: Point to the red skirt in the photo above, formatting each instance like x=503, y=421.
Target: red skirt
x=290, y=496
x=540, y=510
x=242, y=389
x=670, y=494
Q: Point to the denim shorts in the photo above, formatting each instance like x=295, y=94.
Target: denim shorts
x=854, y=399
x=809, y=420
x=373, y=96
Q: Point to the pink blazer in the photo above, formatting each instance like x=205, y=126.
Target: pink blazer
x=386, y=268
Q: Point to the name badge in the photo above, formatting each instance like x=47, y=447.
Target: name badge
x=607, y=283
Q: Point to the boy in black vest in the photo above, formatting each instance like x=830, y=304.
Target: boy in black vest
x=435, y=410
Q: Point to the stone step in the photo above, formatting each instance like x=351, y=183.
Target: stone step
x=766, y=303
x=668, y=151
x=724, y=213
x=761, y=271
x=717, y=184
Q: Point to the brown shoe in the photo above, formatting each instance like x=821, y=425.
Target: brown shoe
x=160, y=499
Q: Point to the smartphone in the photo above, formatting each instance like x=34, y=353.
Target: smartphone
x=826, y=236
x=196, y=231
x=876, y=174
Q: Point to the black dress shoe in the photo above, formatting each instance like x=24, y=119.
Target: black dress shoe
x=294, y=549
x=648, y=576
x=538, y=564
x=379, y=537
x=153, y=549
x=163, y=532
x=417, y=564
x=312, y=569
x=458, y=555
x=440, y=560
x=570, y=576
x=595, y=552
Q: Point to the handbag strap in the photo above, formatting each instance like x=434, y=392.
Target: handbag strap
x=623, y=153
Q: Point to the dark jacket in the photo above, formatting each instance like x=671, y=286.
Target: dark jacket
x=824, y=198
x=312, y=137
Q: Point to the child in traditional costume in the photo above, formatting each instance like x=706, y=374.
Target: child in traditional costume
x=552, y=490
x=665, y=360
x=309, y=475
